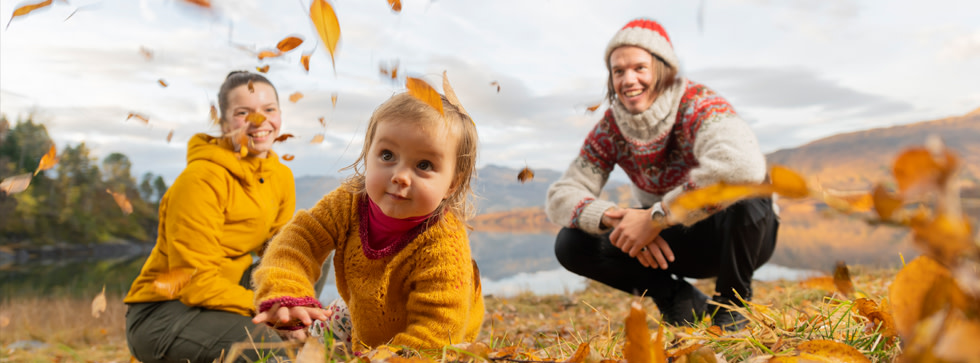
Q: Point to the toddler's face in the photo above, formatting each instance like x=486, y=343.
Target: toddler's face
x=241, y=102
x=410, y=167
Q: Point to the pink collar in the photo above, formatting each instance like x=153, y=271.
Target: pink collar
x=383, y=236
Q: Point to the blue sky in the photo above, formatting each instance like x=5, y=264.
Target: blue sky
x=795, y=70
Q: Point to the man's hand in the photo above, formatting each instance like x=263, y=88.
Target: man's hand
x=636, y=235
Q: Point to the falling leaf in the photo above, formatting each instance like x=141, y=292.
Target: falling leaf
x=318, y=138
x=783, y=181
x=255, y=118
x=581, y=353
x=945, y=237
x=296, y=96
x=269, y=54
x=170, y=135
x=48, y=161
x=451, y=94
x=99, y=304
x=16, y=183
x=138, y=117
x=288, y=44
x=288, y=157
x=495, y=83
x=848, y=202
x=148, y=54
x=825, y=283
x=325, y=20
x=262, y=69
x=322, y=122
x=391, y=71
x=24, y=10
x=312, y=351
x=823, y=350
x=788, y=183
x=170, y=283
x=842, y=279
x=333, y=100
x=918, y=169
x=251, y=86
x=525, y=175
x=283, y=137
x=425, y=93
x=214, y=114
x=885, y=203
x=909, y=289
x=305, y=61
x=201, y=3
x=396, y=5
x=594, y=107
x=162, y=82
x=122, y=201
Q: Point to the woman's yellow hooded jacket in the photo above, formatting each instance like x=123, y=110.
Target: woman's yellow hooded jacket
x=218, y=212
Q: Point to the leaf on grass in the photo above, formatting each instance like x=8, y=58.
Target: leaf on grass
x=825, y=283
x=288, y=44
x=122, y=201
x=581, y=353
x=170, y=135
x=288, y=157
x=318, y=138
x=269, y=54
x=296, y=96
x=48, y=161
x=263, y=69
x=325, y=20
x=145, y=119
x=830, y=351
x=26, y=9
x=333, y=101
x=305, y=61
x=497, y=84
x=525, y=175
x=283, y=137
x=638, y=348
x=919, y=170
x=16, y=183
x=162, y=82
x=170, y=283
x=842, y=279
x=99, y=304
x=214, y=115
x=451, y=94
x=885, y=203
x=255, y=118
x=396, y=5
x=879, y=318
x=312, y=351
x=425, y=93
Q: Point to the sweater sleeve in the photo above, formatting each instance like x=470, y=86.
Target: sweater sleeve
x=194, y=227
x=727, y=151
x=287, y=205
x=291, y=264
x=572, y=201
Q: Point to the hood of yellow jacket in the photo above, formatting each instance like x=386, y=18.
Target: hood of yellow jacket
x=218, y=150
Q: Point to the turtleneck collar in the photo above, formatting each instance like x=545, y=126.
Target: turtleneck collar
x=656, y=120
x=383, y=236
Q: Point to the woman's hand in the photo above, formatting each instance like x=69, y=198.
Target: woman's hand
x=282, y=316
x=637, y=236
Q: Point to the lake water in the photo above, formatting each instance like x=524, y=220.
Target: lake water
x=509, y=264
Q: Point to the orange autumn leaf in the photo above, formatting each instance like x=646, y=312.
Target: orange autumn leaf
x=288, y=157
x=24, y=10
x=170, y=283
x=214, y=115
x=322, y=122
x=251, y=86
x=425, y=93
x=918, y=169
x=16, y=183
x=636, y=348
x=713, y=195
x=946, y=237
x=396, y=5
x=788, y=183
x=495, y=83
x=842, y=279
x=594, y=107
x=255, y=118
x=269, y=54
x=138, y=117
x=122, y=201
x=283, y=137
x=148, y=54
x=312, y=351
x=825, y=283
x=99, y=304
x=907, y=293
x=879, y=318
x=170, y=135
x=318, y=138
x=305, y=61
x=333, y=101
x=162, y=82
x=201, y=3
x=451, y=94
x=525, y=175
x=885, y=203
x=262, y=69
x=823, y=350
x=325, y=20
x=296, y=96
x=849, y=202
x=580, y=354
x=288, y=44
x=48, y=161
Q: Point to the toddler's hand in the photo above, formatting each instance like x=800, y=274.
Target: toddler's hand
x=279, y=316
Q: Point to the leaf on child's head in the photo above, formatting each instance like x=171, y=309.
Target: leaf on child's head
x=283, y=137
x=48, y=161
x=396, y=5
x=263, y=69
x=288, y=157
x=15, y=184
x=26, y=9
x=99, y=304
x=255, y=118
x=425, y=93
x=170, y=283
x=138, y=117
x=525, y=175
x=288, y=44
x=122, y=201
x=296, y=96
x=327, y=27
x=318, y=138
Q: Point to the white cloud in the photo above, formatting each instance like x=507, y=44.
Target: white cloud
x=962, y=47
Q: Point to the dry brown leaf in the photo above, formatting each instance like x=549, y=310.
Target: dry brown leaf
x=581, y=353
x=333, y=101
x=451, y=94
x=391, y=71
x=251, y=86
x=829, y=350
x=908, y=291
x=214, y=115
x=525, y=175
x=48, y=161
x=202, y=3
x=145, y=119
x=396, y=5
x=255, y=118
x=122, y=201
x=700, y=355
x=885, y=203
x=288, y=44
x=170, y=135
x=170, y=283
x=958, y=342
x=312, y=351
x=269, y=54
x=162, y=82
x=296, y=96
x=318, y=138
x=16, y=183
x=283, y=137
x=825, y=283
x=918, y=170
x=99, y=304
x=288, y=157
x=425, y=93
x=146, y=53
x=322, y=122
x=594, y=107
x=497, y=84
x=263, y=69
x=325, y=20
x=24, y=10
x=305, y=61
x=636, y=348
x=842, y=279
x=879, y=318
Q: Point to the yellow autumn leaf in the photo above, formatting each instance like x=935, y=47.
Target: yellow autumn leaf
x=885, y=203
x=16, y=183
x=214, y=115
x=713, y=195
x=312, y=351
x=122, y=201
x=842, y=279
x=325, y=20
x=305, y=61
x=99, y=304
x=333, y=99
x=269, y=54
x=288, y=44
x=908, y=291
x=849, y=202
x=525, y=175
x=580, y=354
x=918, y=170
x=830, y=351
x=788, y=183
x=396, y=5
x=425, y=93
x=257, y=118
x=48, y=161
x=636, y=348
x=451, y=94
x=880, y=318
x=162, y=83
x=318, y=138
x=296, y=96
x=946, y=237
x=263, y=69
x=26, y=9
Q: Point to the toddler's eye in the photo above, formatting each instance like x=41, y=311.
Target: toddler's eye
x=387, y=155
x=425, y=165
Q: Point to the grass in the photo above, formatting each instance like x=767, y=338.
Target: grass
x=525, y=326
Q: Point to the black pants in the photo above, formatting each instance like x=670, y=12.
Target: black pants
x=730, y=245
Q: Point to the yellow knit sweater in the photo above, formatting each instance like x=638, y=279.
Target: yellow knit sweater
x=425, y=296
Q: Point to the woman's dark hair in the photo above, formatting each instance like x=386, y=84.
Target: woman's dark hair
x=235, y=79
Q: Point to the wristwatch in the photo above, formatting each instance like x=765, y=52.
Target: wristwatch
x=657, y=214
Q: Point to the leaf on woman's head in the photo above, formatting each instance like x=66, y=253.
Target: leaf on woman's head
x=525, y=175
x=296, y=96
x=288, y=44
x=24, y=10
x=48, y=161
x=919, y=170
x=396, y=5
x=425, y=93
x=305, y=61
x=255, y=118
x=138, y=117
x=788, y=183
x=122, y=201
x=269, y=54
x=842, y=279
x=263, y=69
x=288, y=157
x=325, y=20
x=16, y=183
x=162, y=82
x=170, y=283
x=283, y=137
x=451, y=94
x=99, y=304
x=318, y=138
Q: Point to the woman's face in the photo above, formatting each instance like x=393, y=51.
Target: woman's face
x=633, y=77
x=242, y=102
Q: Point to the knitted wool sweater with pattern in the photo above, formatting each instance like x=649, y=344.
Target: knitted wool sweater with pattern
x=421, y=294
x=690, y=137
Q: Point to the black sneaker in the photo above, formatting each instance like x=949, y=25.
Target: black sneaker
x=725, y=318
x=686, y=306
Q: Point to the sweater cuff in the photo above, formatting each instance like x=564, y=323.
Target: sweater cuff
x=289, y=301
x=590, y=219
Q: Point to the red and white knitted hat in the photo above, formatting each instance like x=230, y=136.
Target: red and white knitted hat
x=646, y=34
